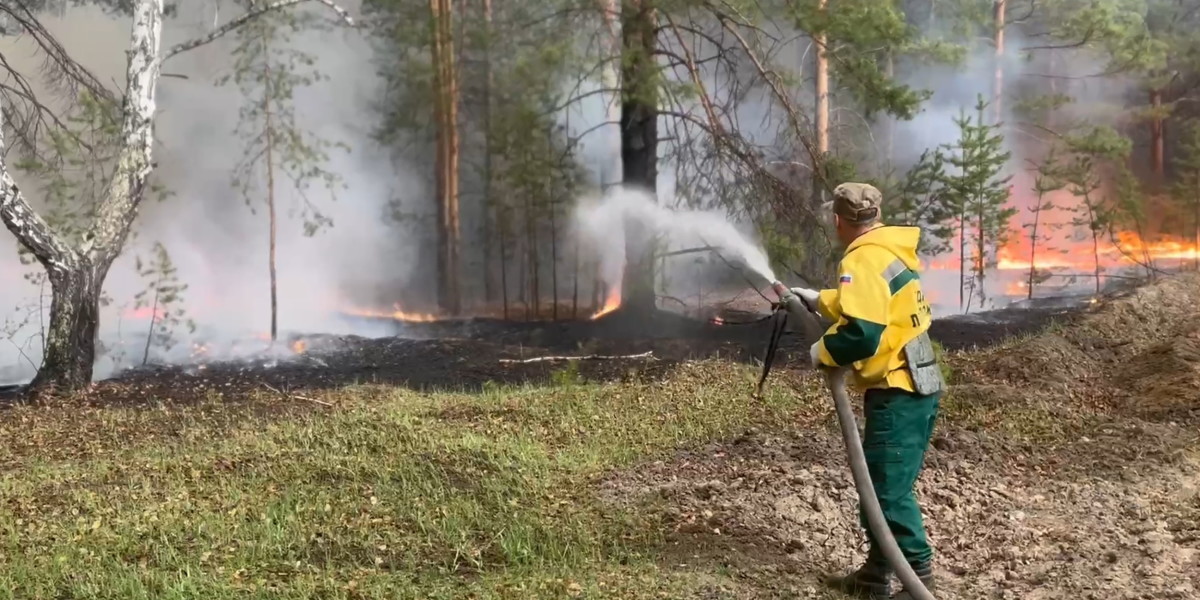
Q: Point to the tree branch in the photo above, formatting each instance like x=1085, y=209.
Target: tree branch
x=117, y=211
x=29, y=227
x=250, y=15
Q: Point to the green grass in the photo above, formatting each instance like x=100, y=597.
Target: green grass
x=392, y=494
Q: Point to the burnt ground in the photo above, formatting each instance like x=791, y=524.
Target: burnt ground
x=469, y=353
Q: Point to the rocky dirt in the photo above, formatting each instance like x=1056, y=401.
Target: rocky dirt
x=1066, y=465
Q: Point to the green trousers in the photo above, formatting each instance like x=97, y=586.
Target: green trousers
x=899, y=425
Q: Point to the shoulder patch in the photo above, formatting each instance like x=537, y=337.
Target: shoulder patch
x=845, y=278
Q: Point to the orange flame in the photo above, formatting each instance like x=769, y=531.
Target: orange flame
x=396, y=314
x=299, y=346
x=611, y=303
x=1129, y=250
x=144, y=313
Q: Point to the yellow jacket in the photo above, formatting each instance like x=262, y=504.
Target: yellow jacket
x=877, y=308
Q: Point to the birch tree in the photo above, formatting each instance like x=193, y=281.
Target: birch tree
x=76, y=270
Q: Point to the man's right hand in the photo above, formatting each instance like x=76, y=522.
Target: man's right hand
x=809, y=296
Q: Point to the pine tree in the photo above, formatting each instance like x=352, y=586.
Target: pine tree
x=1047, y=178
x=1091, y=150
x=917, y=201
x=268, y=68
x=978, y=195
x=1128, y=213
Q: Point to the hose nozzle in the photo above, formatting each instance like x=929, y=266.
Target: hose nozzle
x=780, y=289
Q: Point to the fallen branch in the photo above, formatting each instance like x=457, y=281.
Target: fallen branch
x=561, y=358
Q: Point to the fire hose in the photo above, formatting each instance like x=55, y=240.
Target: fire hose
x=835, y=379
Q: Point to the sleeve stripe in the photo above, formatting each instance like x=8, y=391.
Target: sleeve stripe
x=897, y=283
x=853, y=341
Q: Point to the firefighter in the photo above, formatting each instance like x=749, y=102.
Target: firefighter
x=881, y=322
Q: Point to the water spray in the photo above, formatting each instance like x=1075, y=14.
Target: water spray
x=791, y=304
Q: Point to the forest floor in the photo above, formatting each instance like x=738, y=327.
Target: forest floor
x=1066, y=465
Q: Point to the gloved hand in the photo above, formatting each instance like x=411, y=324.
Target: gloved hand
x=814, y=354
x=809, y=296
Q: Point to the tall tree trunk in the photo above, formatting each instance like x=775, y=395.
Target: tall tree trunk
x=531, y=242
x=446, y=118
x=489, y=211
x=70, y=348
x=822, y=109
x=639, y=144
x=1196, y=232
x=890, y=132
x=553, y=262
x=153, y=321
x=610, y=79
x=269, y=157
x=502, y=225
x=962, y=259
x=999, y=14
x=1157, y=153
x=452, y=210
x=575, y=283
x=981, y=251
x=1087, y=201
x=436, y=50
x=1033, y=243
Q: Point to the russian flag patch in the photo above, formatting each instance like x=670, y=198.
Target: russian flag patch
x=845, y=278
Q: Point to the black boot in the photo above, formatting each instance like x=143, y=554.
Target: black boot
x=924, y=571
x=873, y=581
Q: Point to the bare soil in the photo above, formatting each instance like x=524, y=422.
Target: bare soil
x=1066, y=465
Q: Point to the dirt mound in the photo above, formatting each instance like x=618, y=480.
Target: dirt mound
x=1166, y=376
x=1138, y=352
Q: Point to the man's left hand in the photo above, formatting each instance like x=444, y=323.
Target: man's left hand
x=814, y=354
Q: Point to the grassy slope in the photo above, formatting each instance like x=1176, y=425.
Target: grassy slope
x=390, y=494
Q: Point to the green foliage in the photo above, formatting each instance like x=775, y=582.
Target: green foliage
x=860, y=35
x=164, y=296
x=567, y=376
x=1047, y=179
x=917, y=201
x=74, y=168
x=1116, y=27
x=269, y=68
x=977, y=193
x=1090, y=150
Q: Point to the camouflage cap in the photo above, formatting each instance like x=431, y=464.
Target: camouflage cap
x=856, y=202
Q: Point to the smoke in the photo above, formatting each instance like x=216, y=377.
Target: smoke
x=219, y=246
x=600, y=225
x=957, y=88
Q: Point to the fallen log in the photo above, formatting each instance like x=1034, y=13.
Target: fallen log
x=561, y=358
